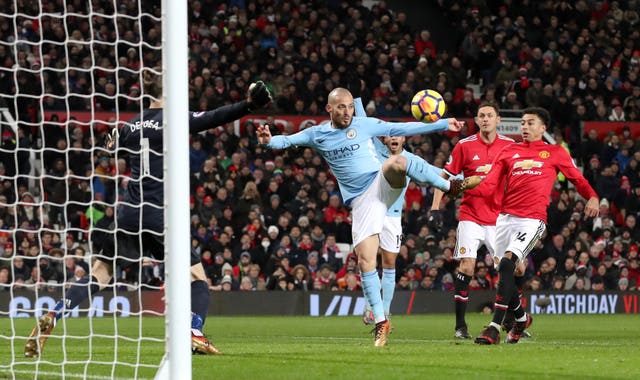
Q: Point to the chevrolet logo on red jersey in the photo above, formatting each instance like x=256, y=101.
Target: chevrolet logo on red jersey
x=484, y=169
x=527, y=164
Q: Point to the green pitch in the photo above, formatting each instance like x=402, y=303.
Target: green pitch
x=562, y=347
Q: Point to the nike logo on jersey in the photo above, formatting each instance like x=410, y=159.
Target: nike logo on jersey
x=475, y=158
x=516, y=156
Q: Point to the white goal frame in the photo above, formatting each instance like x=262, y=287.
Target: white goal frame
x=177, y=361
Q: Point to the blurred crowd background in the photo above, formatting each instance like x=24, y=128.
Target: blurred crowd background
x=274, y=220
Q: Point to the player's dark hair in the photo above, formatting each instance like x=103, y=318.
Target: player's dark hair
x=152, y=82
x=492, y=105
x=542, y=113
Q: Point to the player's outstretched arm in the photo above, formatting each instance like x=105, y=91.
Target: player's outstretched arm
x=592, y=208
x=258, y=97
x=414, y=127
x=454, y=124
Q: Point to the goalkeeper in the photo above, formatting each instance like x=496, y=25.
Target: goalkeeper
x=142, y=139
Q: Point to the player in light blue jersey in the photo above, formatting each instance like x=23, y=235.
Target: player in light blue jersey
x=391, y=235
x=369, y=185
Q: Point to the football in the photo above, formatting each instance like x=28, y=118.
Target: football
x=428, y=106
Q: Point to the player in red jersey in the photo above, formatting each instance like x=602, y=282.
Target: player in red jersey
x=529, y=169
x=473, y=156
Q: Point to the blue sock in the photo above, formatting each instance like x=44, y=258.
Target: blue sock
x=371, y=288
x=388, y=287
x=196, y=322
x=422, y=172
x=200, y=300
x=77, y=293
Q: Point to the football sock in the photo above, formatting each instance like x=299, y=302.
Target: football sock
x=200, y=299
x=196, y=322
x=388, y=287
x=506, y=289
x=461, y=297
x=508, y=317
x=520, y=281
x=518, y=311
x=371, y=289
x=421, y=172
x=77, y=293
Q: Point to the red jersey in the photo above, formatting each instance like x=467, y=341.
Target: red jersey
x=530, y=170
x=472, y=156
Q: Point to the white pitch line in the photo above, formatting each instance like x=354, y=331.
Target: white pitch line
x=67, y=375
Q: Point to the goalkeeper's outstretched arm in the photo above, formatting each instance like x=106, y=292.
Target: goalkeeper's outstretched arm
x=258, y=97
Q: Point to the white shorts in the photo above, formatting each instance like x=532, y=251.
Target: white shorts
x=391, y=235
x=470, y=236
x=517, y=235
x=369, y=208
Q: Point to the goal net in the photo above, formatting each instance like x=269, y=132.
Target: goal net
x=70, y=72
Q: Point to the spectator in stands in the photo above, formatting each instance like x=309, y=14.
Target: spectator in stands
x=5, y=279
x=597, y=284
x=331, y=254
x=580, y=275
x=333, y=209
x=482, y=278
x=467, y=107
x=623, y=284
x=301, y=278
x=253, y=276
x=427, y=283
x=225, y=284
x=19, y=270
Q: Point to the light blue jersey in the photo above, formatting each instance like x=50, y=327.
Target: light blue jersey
x=383, y=151
x=350, y=152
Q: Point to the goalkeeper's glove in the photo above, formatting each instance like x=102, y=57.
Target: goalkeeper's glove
x=112, y=138
x=258, y=95
x=435, y=219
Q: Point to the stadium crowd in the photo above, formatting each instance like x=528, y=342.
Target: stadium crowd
x=273, y=220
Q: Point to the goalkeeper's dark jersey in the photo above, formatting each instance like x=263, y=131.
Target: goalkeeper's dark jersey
x=141, y=139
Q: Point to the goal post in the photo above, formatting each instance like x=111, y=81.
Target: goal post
x=176, y=131
x=68, y=74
